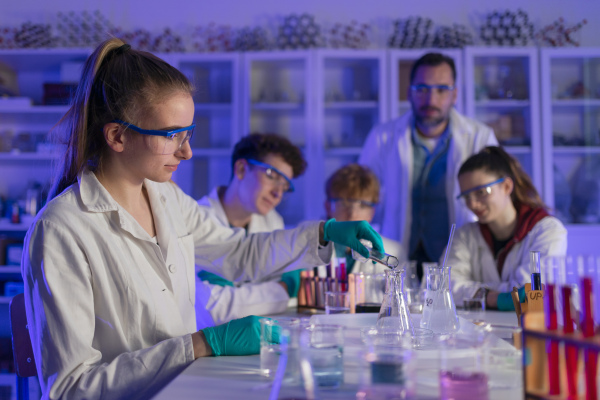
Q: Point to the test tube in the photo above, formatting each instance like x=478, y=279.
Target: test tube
x=587, y=329
x=377, y=256
x=551, y=325
x=534, y=266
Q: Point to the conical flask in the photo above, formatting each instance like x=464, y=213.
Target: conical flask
x=439, y=310
x=394, y=312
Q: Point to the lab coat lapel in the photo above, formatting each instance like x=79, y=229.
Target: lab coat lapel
x=403, y=182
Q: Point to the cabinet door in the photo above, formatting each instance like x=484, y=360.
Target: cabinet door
x=350, y=98
x=276, y=99
x=216, y=81
x=502, y=92
x=571, y=121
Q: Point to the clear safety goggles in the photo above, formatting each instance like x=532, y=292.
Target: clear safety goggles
x=162, y=142
x=349, y=204
x=479, y=193
x=423, y=90
x=276, y=176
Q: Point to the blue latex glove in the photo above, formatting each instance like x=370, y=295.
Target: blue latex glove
x=505, y=302
x=292, y=280
x=240, y=337
x=213, y=279
x=349, y=234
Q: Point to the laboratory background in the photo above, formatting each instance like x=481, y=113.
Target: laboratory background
x=322, y=73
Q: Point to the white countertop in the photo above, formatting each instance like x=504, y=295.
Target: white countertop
x=239, y=377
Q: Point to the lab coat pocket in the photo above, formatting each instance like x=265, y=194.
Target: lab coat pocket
x=186, y=245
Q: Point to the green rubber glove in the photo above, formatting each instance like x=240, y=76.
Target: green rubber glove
x=292, y=280
x=239, y=337
x=349, y=234
x=505, y=302
x=213, y=279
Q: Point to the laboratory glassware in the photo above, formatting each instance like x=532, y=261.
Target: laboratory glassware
x=439, y=310
x=394, y=310
x=377, y=256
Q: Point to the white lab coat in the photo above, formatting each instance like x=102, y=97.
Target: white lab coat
x=218, y=304
x=110, y=312
x=474, y=266
x=388, y=152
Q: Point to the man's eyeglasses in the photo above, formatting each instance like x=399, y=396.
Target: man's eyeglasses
x=163, y=142
x=275, y=175
x=479, y=192
x=349, y=204
x=424, y=90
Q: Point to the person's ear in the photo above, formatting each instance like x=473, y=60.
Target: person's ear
x=114, y=134
x=240, y=168
x=509, y=185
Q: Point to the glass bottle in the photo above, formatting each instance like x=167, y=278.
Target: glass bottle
x=439, y=310
x=394, y=312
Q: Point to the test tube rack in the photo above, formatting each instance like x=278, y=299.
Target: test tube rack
x=311, y=294
x=535, y=339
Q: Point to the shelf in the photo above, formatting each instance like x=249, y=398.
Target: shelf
x=576, y=149
x=517, y=149
x=33, y=156
x=8, y=109
x=207, y=152
x=7, y=226
x=503, y=103
x=576, y=103
x=5, y=299
x=352, y=105
x=279, y=106
x=8, y=272
x=212, y=107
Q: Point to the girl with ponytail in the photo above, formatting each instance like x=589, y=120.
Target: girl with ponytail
x=491, y=256
x=109, y=262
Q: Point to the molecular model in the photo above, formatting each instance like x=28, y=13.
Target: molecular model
x=213, y=38
x=412, y=32
x=455, y=36
x=299, y=32
x=31, y=35
x=353, y=36
x=507, y=29
x=251, y=39
x=558, y=35
x=81, y=29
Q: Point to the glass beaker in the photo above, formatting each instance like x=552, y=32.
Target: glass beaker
x=394, y=310
x=377, y=256
x=439, y=310
x=369, y=292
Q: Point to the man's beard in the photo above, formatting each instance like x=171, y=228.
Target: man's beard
x=431, y=121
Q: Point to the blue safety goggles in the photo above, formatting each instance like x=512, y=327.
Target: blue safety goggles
x=274, y=174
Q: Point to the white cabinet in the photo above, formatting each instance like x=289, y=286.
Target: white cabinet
x=276, y=98
x=571, y=123
x=502, y=90
x=400, y=64
x=350, y=98
x=23, y=124
x=216, y=79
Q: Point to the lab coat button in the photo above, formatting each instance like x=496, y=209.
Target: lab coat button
x=172, y=268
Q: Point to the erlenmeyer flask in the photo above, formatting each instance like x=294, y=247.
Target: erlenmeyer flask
x=394, y=310
x=439, y=310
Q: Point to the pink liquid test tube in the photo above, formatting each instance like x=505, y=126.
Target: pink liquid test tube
x=552, y=345
x=463, y=385
x=571, y=352
x=587, y=328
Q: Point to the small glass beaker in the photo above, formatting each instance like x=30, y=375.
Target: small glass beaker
x=377, y=256
x=461, y=374
x=394, y=312
x=326, y=354
x=439, y=310
x=270, y=349
x=369, y=290
x=337, y=303
x=388, y=368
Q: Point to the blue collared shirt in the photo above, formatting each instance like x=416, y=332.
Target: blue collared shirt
x=430, y=219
